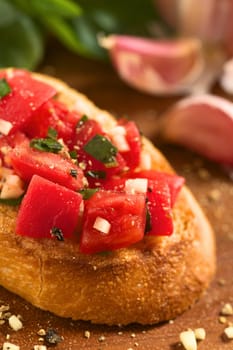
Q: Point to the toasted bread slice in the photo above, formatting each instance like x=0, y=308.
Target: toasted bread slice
x=149, y=282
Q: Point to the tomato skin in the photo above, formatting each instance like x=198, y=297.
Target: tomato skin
x=162, y=191
x=27, y=162
x=174, y=181
x=47, y=205
x=125, y=212
x=84, y=134
x=53, y=114
x=133, y=138
x=26, y=96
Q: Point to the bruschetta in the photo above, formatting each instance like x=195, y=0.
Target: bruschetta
x=94, y=223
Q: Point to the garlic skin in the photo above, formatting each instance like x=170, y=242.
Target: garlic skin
x=156, y=67
x=226, y=79
x=209, y=20
x=203, y=124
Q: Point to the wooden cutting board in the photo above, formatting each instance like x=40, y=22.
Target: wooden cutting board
x=210, y=184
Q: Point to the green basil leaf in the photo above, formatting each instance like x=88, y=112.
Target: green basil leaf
x=63, y=30
x=73, y=154
x=52, y=133
x=46, y=145
x=148, y=220
x=96, y=174
x=88, y=192
x=11, y=201
x=57, y=233
x=100, y=148
x=82, y=121
x=5, y=88
x=21, y=43
x=63, y=8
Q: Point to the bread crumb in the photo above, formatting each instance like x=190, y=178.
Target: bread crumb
x=133, y=335
x=102, y=338
x=200, y=333
x=15, y=323
x=41, y=332
x=136, y=344
x=228, y=332
x=120, y=333
x=227, y=310
x=10, y=346
x=87, y=334
x=188, y=340
x=40, y=347
x=222, y=319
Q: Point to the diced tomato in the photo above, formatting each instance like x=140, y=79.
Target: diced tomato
x=53, y=114
x=7, y=143
x=27, y=94
x=48, y=210
x=27, y=162
x=159, y=195
x=133, y=138
x=125, y=215
x=174, y=181
x=84, y=134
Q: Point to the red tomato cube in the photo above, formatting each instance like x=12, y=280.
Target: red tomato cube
x=112, y=220
x=48, y=210
x=96, y=171
x=27, y=162
x=27, y=94
x=53, y=114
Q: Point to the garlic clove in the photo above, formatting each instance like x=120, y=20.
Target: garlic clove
x=202, y=123
x=153, y=66
x=226, y=79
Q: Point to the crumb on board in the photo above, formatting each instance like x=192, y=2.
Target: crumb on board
x=10, y=346
x=15, y=323
x=87, y=334
x=228, y=332
x=188, y=340
x=227, y=310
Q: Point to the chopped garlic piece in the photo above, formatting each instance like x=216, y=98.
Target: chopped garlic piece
x=40, y=347
x=200, y=333
x=15, y=323
x=5, y=127
x=136, y=185
x=12, y=187
x=227, y=310
x=117, y=135
x=229, y=332
x=102, y=225
x=10, y=346
x=188, y=340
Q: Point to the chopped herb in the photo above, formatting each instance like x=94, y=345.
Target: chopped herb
x=148, y=220
x=100, y=148
x=46, y=145
x=82, y=121
x=52, y=337
x=73, y=173
x=11, y=201
x=5, y=88
x=96, y=174
x=52, y=133
x=88, y=192
x=57, y=232
x=73, y=154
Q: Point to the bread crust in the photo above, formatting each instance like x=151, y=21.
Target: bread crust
x=151, y=281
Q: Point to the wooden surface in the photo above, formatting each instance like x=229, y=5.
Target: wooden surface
x=209, y=183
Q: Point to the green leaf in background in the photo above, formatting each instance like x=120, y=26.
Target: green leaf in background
x=21, y=44
x=63, y=8
x=64, y=32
